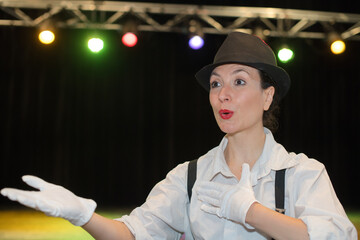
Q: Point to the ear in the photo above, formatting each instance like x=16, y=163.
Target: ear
x=268, y=97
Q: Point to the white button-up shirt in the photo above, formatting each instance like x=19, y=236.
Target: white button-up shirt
x=309, y=196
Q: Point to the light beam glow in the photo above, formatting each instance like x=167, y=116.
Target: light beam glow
x=46, y=37
x=337, y=47
x=196, y=42
x=95, y=45
x=285, y=55
x=129, y=39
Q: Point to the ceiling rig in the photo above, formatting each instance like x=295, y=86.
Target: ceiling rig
x=164, y=17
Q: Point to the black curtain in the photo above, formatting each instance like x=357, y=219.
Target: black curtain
x=111, y=125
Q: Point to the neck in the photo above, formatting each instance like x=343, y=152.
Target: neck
x=244, y=147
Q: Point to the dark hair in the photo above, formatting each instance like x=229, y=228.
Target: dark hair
x=270, y=116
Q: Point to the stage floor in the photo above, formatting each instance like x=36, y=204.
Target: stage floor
x=27, y=224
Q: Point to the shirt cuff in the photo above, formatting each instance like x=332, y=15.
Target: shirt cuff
x=135, y=226
x=328, y=228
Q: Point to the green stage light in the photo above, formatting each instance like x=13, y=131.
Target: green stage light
x=285, y=55
x=95, y=45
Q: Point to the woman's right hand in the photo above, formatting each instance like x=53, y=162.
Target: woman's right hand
x=53, y=200
x=228, y=201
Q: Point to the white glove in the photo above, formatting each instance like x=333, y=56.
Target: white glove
x=53, y=200
x=228, y=201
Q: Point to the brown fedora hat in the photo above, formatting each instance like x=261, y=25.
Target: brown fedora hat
x=249, y=50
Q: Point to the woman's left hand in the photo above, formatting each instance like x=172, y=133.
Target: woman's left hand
x=228, y=201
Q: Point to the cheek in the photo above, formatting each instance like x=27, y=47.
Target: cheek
x=252, y=101
x=212, y=100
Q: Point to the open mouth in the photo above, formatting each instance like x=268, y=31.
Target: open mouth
x=226, y=114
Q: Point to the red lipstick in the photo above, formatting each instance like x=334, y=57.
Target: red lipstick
x=226, y=114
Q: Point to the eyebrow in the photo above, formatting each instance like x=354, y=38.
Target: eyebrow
x=233, y=73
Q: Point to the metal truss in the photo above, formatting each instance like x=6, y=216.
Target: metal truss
x=160, y=17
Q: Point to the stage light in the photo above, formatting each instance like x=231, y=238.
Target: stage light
x=196, y=42
x=285, y=54
x=338, y=47
x=130, y=31
x=46, y=37
x=95, y=44
x=46, y=30
x=129, y=39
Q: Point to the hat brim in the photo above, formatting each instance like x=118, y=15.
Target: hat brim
x=277, y=74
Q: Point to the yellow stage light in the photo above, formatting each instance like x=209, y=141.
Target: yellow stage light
x=338, y=47
x=46, y=37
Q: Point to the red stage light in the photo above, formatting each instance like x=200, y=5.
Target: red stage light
x=129, y=39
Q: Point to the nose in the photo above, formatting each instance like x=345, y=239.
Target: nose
x=224, y=94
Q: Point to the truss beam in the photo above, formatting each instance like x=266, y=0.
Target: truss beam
x=111, y=15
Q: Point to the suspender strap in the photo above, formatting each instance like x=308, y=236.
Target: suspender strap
x=280, y=191
x=192, y=169
x=279, y=185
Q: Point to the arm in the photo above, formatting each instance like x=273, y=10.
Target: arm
x=103, y=228
x=317, y=212
x=314, y=201
x=275, y=224
x=238, y=203
x=56, y=201
x=162, y=215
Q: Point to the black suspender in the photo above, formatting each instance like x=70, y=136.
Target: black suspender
x=191, y=176
x=280, y=191
x=279, y=185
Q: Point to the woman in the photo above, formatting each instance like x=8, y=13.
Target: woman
x=233, y=196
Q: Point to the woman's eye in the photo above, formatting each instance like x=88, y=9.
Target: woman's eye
x=239, y=82
x=214, y=84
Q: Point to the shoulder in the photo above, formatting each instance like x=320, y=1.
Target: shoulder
x=309, y=174
x=180, y=171
x=305, y=164
x=280, y=158
x=177, y=175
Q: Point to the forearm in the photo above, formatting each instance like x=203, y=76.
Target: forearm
x=277, y=225
x=103, y=228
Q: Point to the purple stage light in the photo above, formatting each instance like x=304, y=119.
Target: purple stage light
x=196, y=42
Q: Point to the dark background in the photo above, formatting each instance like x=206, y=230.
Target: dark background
x=110, y=126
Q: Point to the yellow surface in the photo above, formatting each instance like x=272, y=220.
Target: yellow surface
x=34, y=225
x=31, y=224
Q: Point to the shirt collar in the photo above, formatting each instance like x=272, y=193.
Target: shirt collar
x=219, y=164
x=273, y=157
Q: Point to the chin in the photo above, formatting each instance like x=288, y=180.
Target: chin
x=228, y=130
